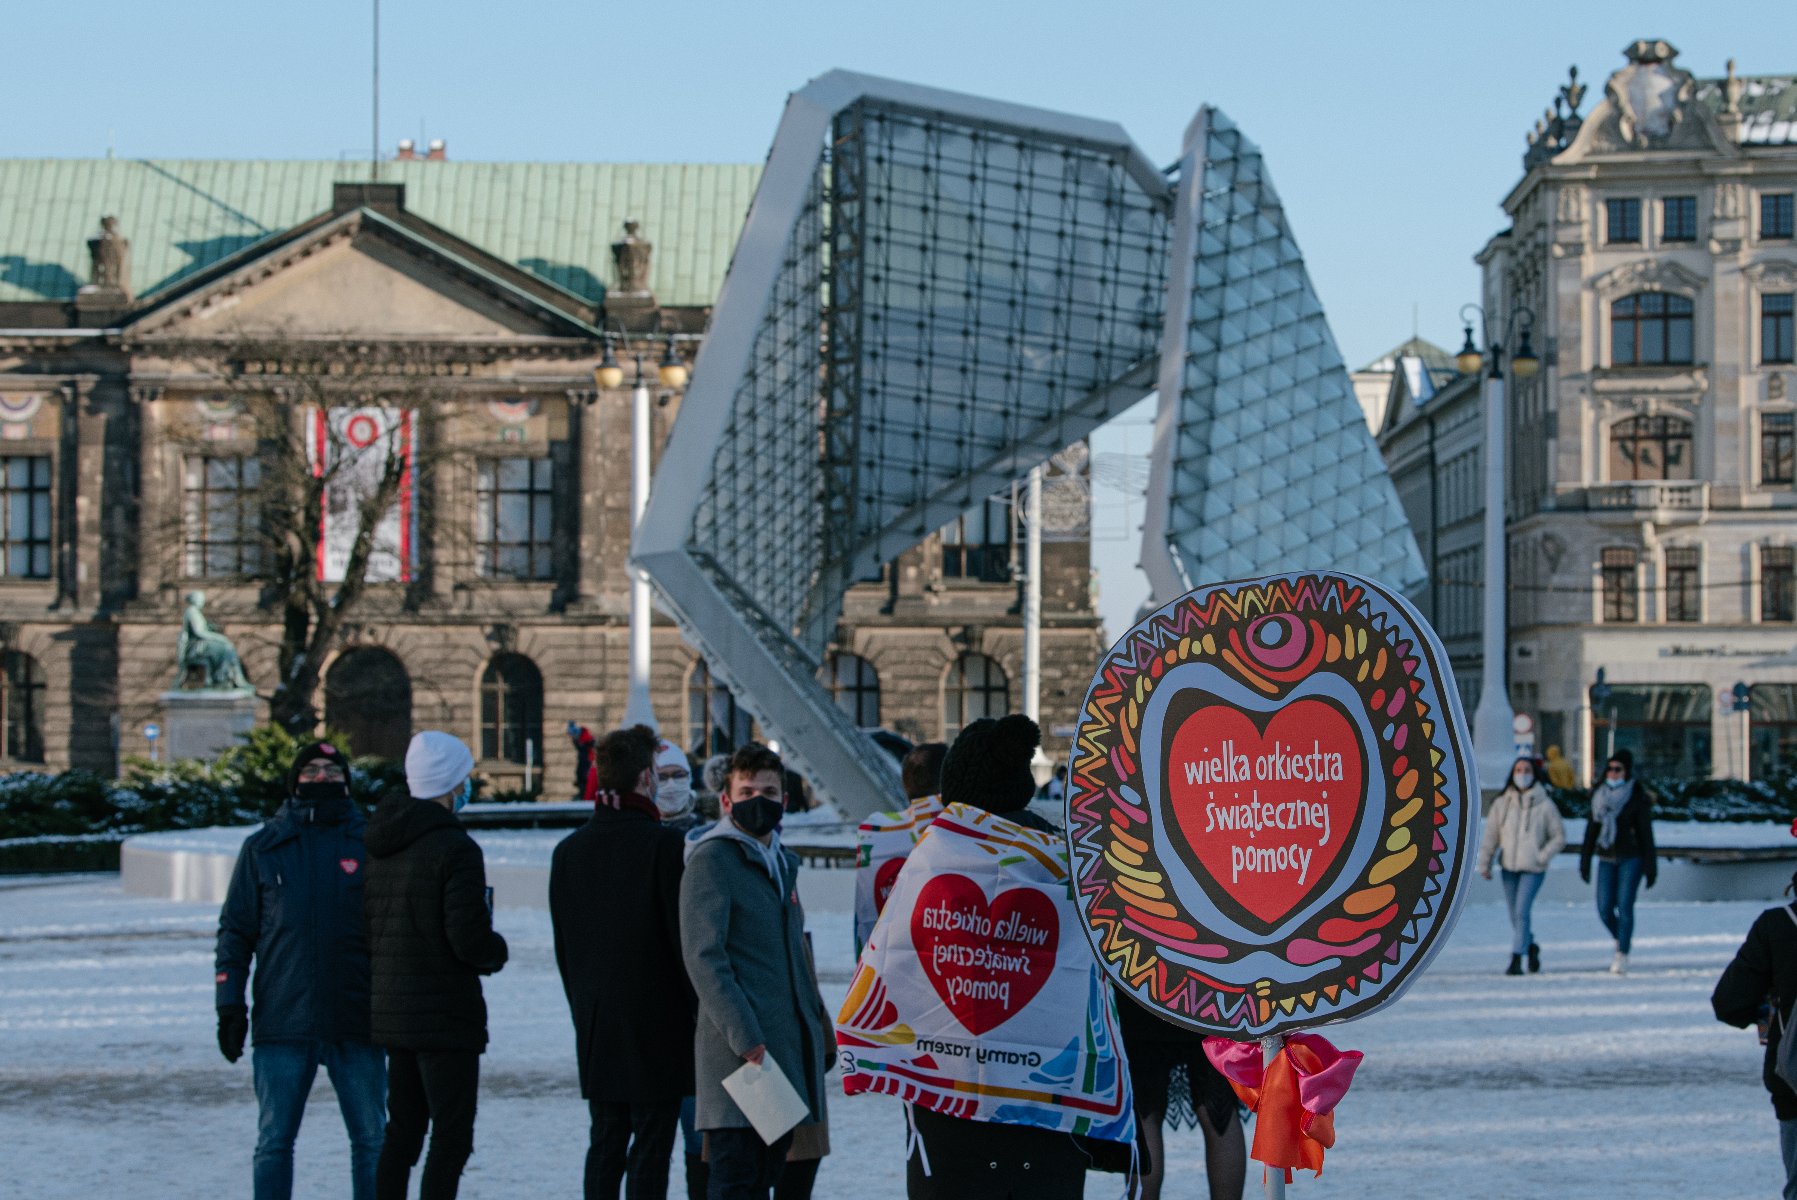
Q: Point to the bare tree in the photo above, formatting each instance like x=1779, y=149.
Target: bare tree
x=340, y=433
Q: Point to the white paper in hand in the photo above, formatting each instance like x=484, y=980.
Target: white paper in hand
x=767, y=1098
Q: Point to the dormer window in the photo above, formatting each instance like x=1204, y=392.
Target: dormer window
x=1650, y=329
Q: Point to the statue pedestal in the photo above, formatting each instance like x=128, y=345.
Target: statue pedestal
x=201, y=723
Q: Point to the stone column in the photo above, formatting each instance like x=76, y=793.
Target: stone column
x=150, y=493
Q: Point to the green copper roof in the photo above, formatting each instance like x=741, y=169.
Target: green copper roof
x=557, y=220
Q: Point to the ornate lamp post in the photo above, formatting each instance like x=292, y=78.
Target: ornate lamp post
x=639, y=709
x=1493, y=735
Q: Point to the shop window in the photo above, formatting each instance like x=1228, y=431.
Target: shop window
x=1772, y=728
x=1665, y=726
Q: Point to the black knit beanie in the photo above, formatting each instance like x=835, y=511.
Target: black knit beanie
x=989, y=765
x=1627, y=760
x=316, y=752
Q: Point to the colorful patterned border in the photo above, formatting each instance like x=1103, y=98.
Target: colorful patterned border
x=1357, y=944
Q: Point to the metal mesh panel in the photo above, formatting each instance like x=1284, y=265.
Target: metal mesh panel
x=1273, y=469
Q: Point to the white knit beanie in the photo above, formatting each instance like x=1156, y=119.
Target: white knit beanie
x=436, y=764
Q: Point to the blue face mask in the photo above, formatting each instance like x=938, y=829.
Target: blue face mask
x=462, y=797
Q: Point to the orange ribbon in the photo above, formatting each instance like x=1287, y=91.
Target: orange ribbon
x=1293, y=1098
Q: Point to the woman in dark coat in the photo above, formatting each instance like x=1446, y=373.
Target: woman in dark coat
x=1761, y=985
x=1620, y=835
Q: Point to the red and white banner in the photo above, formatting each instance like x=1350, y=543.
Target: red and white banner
x=350, y=448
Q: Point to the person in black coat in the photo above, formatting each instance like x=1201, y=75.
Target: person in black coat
x=431, y=937
x=295, y=908
x=614, y=901
x=1175, y=1085
x=989, y=767
x=1620, y=834
x=1761, y=985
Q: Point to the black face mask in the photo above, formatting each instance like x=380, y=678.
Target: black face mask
x=320, y=792
x=757, y=815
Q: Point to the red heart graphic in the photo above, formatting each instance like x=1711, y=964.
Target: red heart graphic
x=986, y=960
x=349, y=865
x=1300, y=779
x=884, y=877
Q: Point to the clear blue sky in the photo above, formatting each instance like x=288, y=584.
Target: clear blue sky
x=1392, y=129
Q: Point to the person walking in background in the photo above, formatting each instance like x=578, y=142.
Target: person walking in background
x=1761, y=985
x=742, y=932
x=614, y=903
x=431, y=938
x=674, y=795
x=1524, y=831
x=1620, y=835
x=295, y=908
x=585, y=785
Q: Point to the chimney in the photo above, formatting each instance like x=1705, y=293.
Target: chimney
x=408, y=150
x=439, y=151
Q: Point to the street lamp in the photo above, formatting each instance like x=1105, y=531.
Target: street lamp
x=639, y=709
x=1493, y=731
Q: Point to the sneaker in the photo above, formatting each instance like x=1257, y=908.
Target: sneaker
x=1515, y=967
x=1534, y=959
x=1620, y=964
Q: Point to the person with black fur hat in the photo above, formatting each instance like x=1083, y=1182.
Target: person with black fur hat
x=988, y=767
x=294, y=908
x=1760, y=985
x=1619, y=834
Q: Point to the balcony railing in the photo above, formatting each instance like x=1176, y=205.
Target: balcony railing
x=1672, y=499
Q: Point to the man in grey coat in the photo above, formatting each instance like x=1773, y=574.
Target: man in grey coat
x=742, y=935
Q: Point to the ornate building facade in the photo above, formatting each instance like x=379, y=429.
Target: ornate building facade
x=1652, y=502
x=469, y=303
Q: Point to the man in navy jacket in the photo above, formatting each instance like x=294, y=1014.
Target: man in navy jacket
x=295, y=908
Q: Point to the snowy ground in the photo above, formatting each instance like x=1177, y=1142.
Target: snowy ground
x=1572, y=1083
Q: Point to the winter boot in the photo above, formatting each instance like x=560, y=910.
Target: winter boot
x=1515, y=967
x=1620, y=964
x=1534, y=959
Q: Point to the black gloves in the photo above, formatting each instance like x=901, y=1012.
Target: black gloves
x=233, y=1028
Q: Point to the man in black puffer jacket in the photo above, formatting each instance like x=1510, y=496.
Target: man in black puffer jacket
x=430, y=933
x=295, y=908
x=1761, y=985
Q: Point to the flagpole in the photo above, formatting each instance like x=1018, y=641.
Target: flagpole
x=1275, y=1176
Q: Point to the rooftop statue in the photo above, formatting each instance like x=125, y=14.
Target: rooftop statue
x=202, y=648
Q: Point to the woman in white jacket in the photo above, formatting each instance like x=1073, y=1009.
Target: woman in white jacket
x=1524, y=828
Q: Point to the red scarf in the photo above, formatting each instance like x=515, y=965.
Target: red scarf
x=627, y=802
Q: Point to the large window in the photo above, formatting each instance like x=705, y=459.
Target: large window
x=22, y=698
x=976, y=687
x=515, y=523
x=511, y=710
x=1650, y=448
x=715, y=723
x=1665, y=726
x=1621, y=600
x=221, y=530
x=1678, y=219
x=1650, y=328
x=855, y=686
x=1778, y=574
x=977, y=544
x=1683, y=592
x=1622, y=221
x=1778, y=441
x=1775, y=215
x=25, y=532
x=1773, y=727
x=1775, y=327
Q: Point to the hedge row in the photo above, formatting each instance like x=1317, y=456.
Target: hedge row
x=1728, y=800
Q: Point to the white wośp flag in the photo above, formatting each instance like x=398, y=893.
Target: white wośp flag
x=351, y=448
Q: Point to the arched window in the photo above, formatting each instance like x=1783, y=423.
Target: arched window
x=368, y=698
x=22, y=707
x=1650, y=327
x=511, y=709
x=1650, y=448
x=715, y=724
x=976, y=687
x=855, y=686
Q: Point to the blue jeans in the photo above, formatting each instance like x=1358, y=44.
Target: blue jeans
x=1520, y=888
x=283, y=1073
x=1617, y=883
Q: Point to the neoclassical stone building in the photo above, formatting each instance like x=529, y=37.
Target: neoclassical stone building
x=1652, y=496
x=473, y=299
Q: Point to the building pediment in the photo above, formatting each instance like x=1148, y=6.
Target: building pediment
x=359, y=275
x=1651, y=104
x=1647, y=275
x=1772, y=274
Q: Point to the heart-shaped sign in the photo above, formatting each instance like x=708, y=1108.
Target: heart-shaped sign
x=1265, y=804
x=987, y=960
